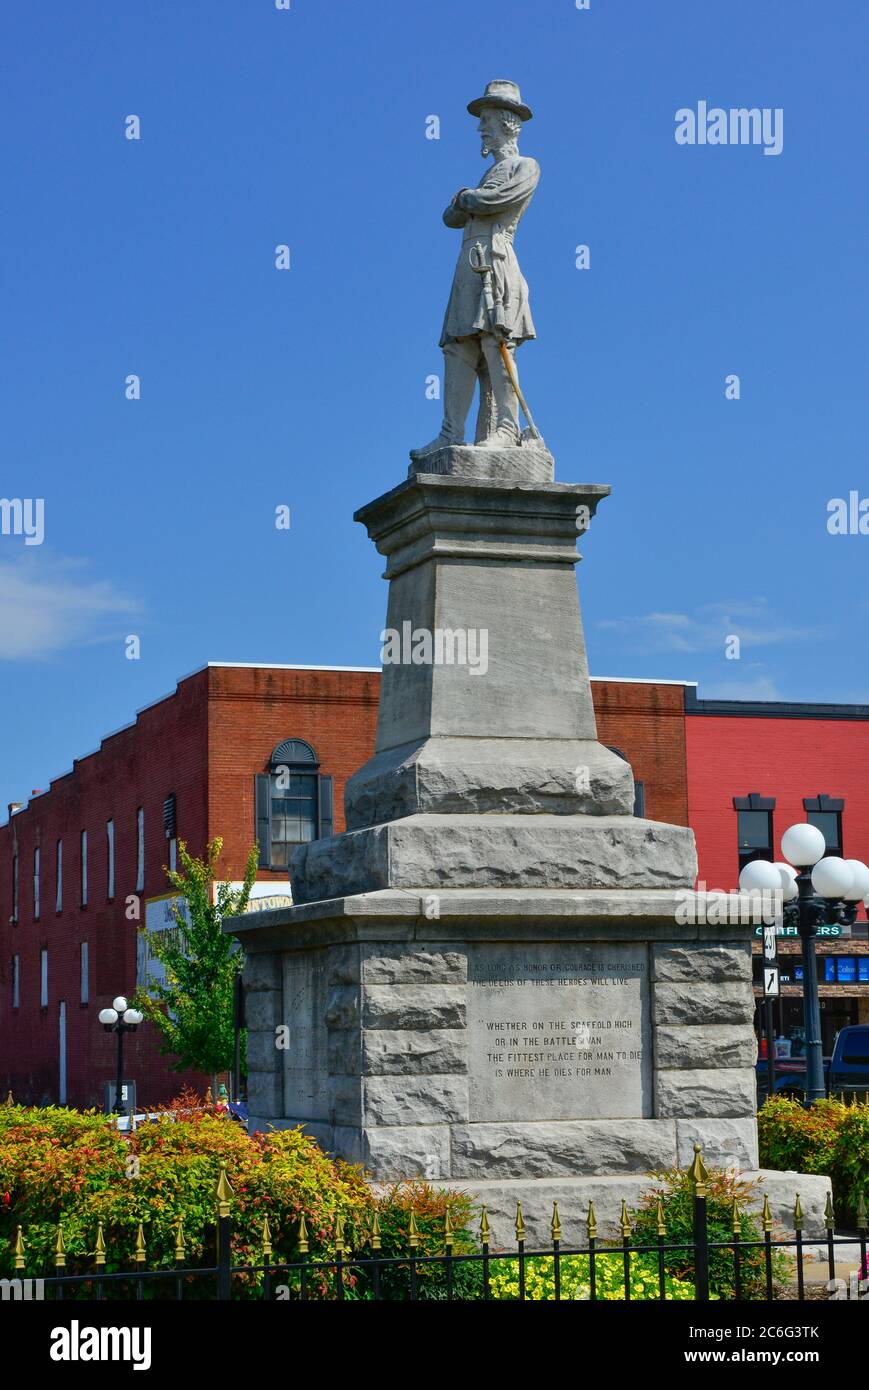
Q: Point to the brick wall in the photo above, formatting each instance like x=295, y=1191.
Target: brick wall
x=204, y=743
x=253, y=709
x=788, y=759
x=163, y=752
x=647, y=723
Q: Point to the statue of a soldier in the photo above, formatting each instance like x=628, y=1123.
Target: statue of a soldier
x=488, y=314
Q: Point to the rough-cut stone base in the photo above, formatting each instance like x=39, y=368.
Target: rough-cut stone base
x=399, y=1006
x=529, y=462
x=482, y=776
x=607, y=1192
x=437, y=1144
x=432, y=852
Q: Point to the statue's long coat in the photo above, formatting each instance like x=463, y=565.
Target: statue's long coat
x=490, y=214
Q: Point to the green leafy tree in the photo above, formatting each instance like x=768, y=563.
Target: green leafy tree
x=193, y=1009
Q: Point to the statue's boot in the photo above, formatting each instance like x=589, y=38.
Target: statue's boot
x=460, y=378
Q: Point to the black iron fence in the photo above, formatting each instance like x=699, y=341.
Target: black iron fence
x=607, y=1269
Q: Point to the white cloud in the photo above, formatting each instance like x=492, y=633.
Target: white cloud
x=48, y=606
x=707, y=628
x=756, y=688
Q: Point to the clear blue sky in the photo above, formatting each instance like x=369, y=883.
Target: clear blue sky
x=307, y=387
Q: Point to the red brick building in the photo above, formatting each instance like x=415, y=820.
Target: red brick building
x=185, y=768
x=263, y=753
x=755, y=768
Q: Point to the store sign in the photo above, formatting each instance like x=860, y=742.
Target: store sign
x=159, y=917
x=827, y=930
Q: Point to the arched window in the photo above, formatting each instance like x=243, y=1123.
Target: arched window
x=639, y=787
x=293, y=803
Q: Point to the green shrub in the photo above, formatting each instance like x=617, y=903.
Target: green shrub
x=429, y=1206
x=674, y=1189
x=828, y=1137
x=64, y=1164
x=796, y=1138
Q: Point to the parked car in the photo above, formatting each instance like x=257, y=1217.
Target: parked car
x=846, y=1073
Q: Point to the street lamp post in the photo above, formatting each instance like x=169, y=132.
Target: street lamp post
x=823, y=890
x=120, y=1019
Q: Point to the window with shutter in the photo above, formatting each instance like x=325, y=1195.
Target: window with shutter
x=110, y=859
x=140, y=850
x=293, y=803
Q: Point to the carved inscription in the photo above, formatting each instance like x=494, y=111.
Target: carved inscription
x=559, y=1032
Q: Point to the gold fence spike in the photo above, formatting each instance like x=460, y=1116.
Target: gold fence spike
x=798, y=1214
x=829, y=1218
x=303, y=1235
x=659, y=1214
x=374, y=1233
x=697, y=1173
x=59, y=1247
x=413, y=1232
x=520, y=1224
x=9, y=1100
x=766, y=1215
x=339, y=1234
x=591, y=1222
x=448, y=1231
x=140, y=1245
x=861, y=1213
x=556, y=1223
x=179, y=1241
x=484, y=1227
x=737, y=1219
x=19, y=1249
x=625, y=1223
x=267, y=1238
x=100, y=1247
x=224, y=1192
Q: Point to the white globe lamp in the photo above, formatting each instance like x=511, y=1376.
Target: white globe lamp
x=860, y=886
x=788, y=880
x=832, y=877
x=803, y=844
x=760, y=876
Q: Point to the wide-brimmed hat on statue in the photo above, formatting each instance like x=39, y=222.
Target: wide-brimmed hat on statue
x=504, y=95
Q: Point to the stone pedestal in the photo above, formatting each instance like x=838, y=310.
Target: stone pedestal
x=502, y=1035
x=488, y=978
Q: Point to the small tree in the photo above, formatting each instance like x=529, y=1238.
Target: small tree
x=193, y=1010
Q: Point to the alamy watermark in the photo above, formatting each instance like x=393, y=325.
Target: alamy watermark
x=23, y=516
x=740, y=125
x=848, y=517
x=443, y=646
x=715, y=908
x=24, y=1290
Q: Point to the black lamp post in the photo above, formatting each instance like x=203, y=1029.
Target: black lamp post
x=120, y=1019
x=822, y=889
x=826, y=890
